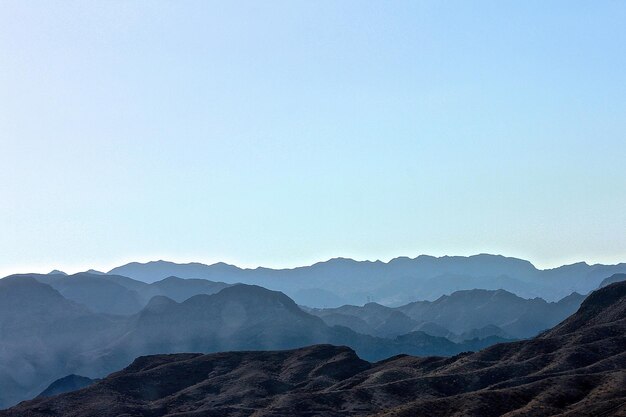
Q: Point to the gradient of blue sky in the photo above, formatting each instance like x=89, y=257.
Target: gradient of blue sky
x=281, y=133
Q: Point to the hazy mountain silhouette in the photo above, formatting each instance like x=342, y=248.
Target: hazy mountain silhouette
x=45, y=336
x=470, y=313
x=577, y=368
x=399, y=281
x=180, y=289
x=613, y=278
x=244, y=317
x=42, y=333
x=67, y=384
x=96, y=292
x=116, y=294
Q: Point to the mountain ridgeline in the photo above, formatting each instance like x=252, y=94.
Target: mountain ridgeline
x=400, y=281
x=460, y=316
x=577, y=368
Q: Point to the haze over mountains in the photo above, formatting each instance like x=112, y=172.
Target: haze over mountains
x=46, y=336
x=93, y=323
x=462, y=315
x=577, y=368
x=402, y=280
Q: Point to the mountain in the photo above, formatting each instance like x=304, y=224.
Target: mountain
x=497, y=313
x=341, y=281
x=464, y=311
x=116, y=294
x=157, y=270
x=577, y=368
x=179, y=289
x=67, y=384
x=613, y=278
x=42, y=334
x=96, y=292
x=46, y=336
x=246, y=317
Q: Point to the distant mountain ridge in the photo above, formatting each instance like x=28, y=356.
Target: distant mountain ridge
x=612, y=279
x=116, y=294
x=462, y=315
x=341, y=281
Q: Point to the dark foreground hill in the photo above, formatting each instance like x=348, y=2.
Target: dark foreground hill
x=577, y=368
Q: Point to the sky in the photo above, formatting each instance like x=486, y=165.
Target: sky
x=280, y=133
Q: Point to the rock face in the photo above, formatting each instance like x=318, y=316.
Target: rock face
x=577, y=368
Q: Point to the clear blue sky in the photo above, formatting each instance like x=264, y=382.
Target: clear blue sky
x=282, y=133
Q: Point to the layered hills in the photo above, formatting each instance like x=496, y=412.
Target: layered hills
x=576, y=368
x=461, y=315
x=46, y=336
x=95, y=323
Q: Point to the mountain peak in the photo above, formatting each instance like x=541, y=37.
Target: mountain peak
x=605, y=305
x=66, y=384
x=158, y=304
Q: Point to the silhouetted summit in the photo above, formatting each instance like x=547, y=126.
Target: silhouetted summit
x=67, y=384
x=613, y=278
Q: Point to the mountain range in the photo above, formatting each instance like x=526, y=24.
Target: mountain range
x=116, y=294
x=458, y=316
x=576, y=368
x=93, y=323
x=402, y=280
x=46, y=336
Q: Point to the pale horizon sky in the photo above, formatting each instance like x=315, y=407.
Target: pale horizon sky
x=283, y=133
